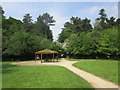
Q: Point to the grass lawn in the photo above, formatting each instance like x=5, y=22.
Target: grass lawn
x=40, y=77
x=107, y=69
x=70, y=59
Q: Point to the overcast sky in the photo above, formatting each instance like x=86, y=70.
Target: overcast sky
x=61, y=11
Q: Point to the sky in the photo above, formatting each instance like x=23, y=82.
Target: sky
x=61, y=11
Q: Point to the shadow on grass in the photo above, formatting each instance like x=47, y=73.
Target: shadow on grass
x=8, y=68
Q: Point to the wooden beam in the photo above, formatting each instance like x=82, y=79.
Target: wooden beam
x=57, y=57
x=35, y=57
x=53, y=57
x=41, y=58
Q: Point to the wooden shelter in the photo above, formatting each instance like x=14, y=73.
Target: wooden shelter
x=39, y=54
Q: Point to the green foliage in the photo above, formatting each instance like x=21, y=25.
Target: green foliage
x=81, y=39
x=27, y=19
x=102, y=19
x=64, y=35
x=17, y=43
x=6, y=23
x=42, y=26
x=81, y=44
x=47, y=19
x=22, y=42
x=108, y=42
x=1, y=11
x=105, y=42
x=26, y=37
x=55, y=46
x=75, y=26
x=77, y=37
x=71, y=44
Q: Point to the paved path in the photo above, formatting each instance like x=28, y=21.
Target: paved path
x=95, y=81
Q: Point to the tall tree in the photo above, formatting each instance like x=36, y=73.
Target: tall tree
x=111, y=22
x=27, y=23
x=43, y=24
x=108, y=42
x=102, y=19
x=86, y=26
x=75, y=26
x=47, y=19
x=1, y=16
x=1, y=10
x=27, y=19
x=64, y=34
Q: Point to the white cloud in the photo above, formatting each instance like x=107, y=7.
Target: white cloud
x=93, y=12
x=112, y=10
x=16, y=10
x=90, y=11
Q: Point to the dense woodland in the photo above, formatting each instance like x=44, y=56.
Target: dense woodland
x=21, y=39
x=78, y=39
x=82, y=40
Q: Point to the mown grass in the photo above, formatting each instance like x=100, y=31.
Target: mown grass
x=40, y=77
x=107, y=69
x=70, y=59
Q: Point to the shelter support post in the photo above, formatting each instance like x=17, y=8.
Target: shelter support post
x=57, y=57
x=35, y=57
x=41, y=58
x=53, y=57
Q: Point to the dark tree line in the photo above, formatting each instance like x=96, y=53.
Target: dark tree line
x=81, y=40
x=22, y=38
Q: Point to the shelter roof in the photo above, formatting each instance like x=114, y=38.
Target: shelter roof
x=46, y=51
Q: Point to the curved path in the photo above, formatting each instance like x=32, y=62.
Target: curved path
x=95, y=81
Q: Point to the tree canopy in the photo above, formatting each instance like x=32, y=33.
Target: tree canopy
x=24, y=38
x=81, y=39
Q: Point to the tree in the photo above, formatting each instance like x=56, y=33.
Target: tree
x=27, y=23
x=16, y=44
x=102, y=19
x=82, y=44
x=6, y=23
x=23, y=43
x=1, y=10
x=64, y=34
x=25, y=37
x=47, y=19
x=1, y=16
x=56, y=46
x=43, y=24
x=86, y=26
x=108, y=42
x=118, y=22
x=75, y=26
x=27, y=19
x=71, y=44
x=88, y=46
x=103, y=15
x=111, y=22
x=9, y=26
